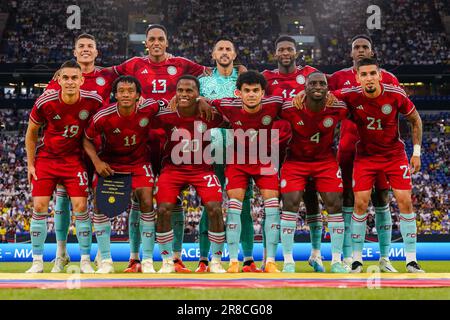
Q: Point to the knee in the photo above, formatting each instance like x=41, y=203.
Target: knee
x=290, y=204
x=405, y=205
x=380, y=198
x=41, y=208
x=79, y=207
x=214, y=211
x=146, y=204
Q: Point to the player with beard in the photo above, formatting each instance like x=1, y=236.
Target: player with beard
x=222, y=84
x=375, y=108
x=362, y=48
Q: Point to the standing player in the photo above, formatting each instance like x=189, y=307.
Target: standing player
x=346, y=78
x=222, y=84
x=64, y=115
x=375, y=108
x=287, y=81
x=158, y=76
x=123, y=128
x=97, y=80
x=311, y=156
x=185, y=162
x=251, y=116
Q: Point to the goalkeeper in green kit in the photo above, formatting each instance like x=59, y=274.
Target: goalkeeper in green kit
x=222, y=84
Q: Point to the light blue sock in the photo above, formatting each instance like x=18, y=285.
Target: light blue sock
x=347, y=249
x=134, y=235
x=38, y=232
x=383, y=222
x=217, y=240
x=165, y=240
x=408, y=229
x=84, y=232
x=337, y=228
x=233, y=227
x=315, y=230
x=62, y=214
x=288, y=224
x=358, y=227
x=272, y=226
x=102, y=227
x=147, y=227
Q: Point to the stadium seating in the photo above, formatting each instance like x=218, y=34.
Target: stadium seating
x=412, y=31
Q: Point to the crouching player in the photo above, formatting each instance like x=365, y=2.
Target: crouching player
x=187, y=161
x=123, y=127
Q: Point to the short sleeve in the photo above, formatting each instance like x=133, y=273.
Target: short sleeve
x=406, y=106
x=192, y=68
x=92, y=131
x=37, y=115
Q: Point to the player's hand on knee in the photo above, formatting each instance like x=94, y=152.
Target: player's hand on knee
x=31, y=173
x=104, y=169
x=415, y=164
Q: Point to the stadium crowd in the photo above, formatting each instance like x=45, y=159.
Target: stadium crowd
x=430, y=193
x=411, y=31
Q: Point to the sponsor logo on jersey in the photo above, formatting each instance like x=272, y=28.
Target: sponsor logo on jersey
x=328, y=122
x=266, y=120
x=145, y=71
x=57, y=117
x=116, y=131
x=283, y=183
x=238, y=123
x=213, y=92
x=300, y=79
x=172, y=70
x=386, y=109
x=100, y=81
x=274, y=82
x=347, y=83
x=201, y=127
x=300, y=123
x=143, y=122
x=83, y=115
x=360, y=107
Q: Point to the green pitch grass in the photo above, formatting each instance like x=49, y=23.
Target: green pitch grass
x=232, y=294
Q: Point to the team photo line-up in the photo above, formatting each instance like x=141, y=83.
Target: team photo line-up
x=176, y=123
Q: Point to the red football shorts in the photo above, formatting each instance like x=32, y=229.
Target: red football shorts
x=238, y=175
x=173, y=179
x=325, y=175
x=395, y=169
x=141, y=175
x=346, y=160
x=69, y=173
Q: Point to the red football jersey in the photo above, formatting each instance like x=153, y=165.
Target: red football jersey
x=124, y=138
x=313, y=132
x=346, y=78
x=286, y=85
x=63, y=123
x=377, y=119
x=98, y=81
x=187, y=139
x=159, y=80
x=251, y=130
